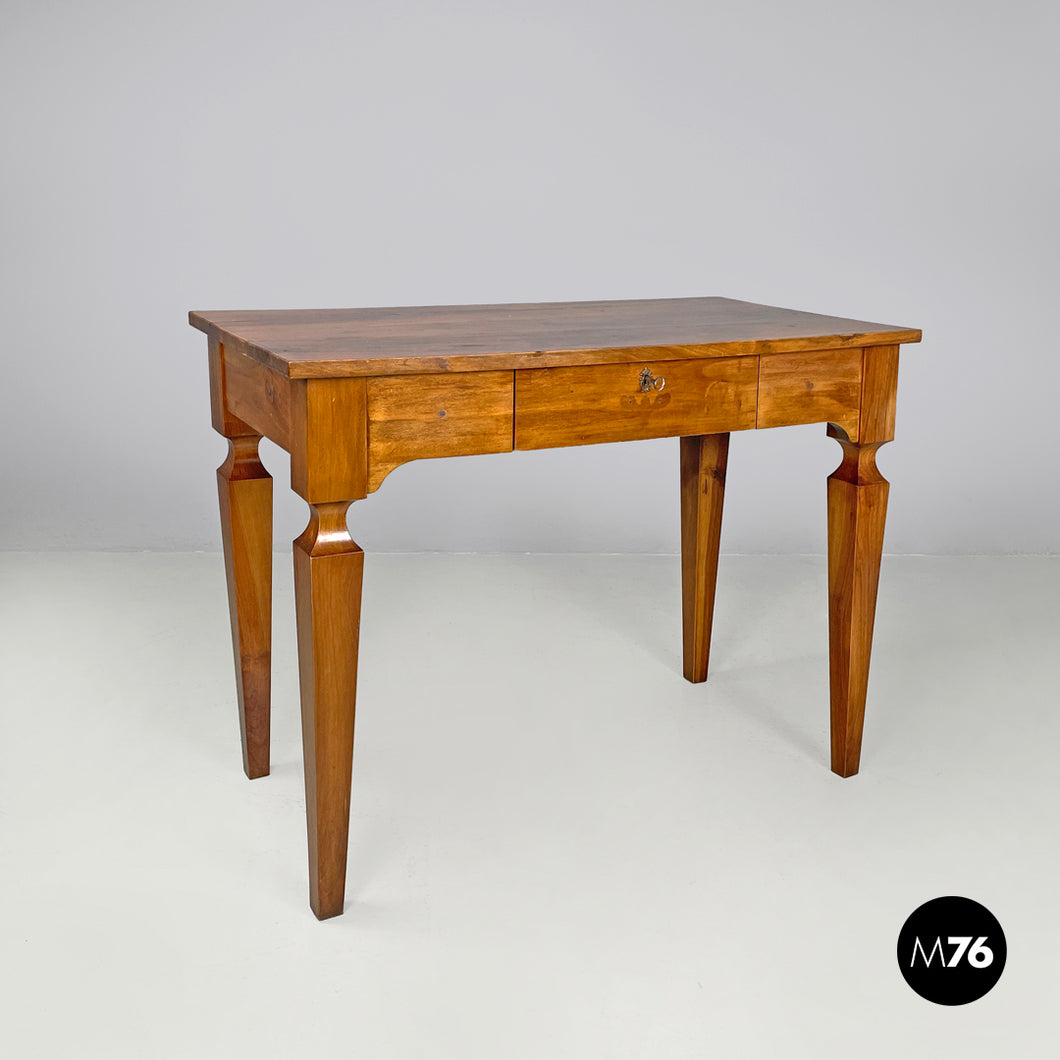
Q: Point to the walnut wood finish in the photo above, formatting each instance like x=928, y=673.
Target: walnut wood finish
x=879, y=394
x=353, y=393
x=244, y=489
x=857, y=509
x=413, y=417
x=817, y=387
x=258, y=396
x=305, y=343
x=329, y=439
x=329, y=468
x=605, y=403
x=328, y=570
x=703, y=463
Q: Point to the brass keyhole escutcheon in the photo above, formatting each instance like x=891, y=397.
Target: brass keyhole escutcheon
x=648, y=382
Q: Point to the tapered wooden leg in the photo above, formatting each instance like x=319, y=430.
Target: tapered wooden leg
x=857, y=508
x=328, y=567
x=244, y=489
x=703, y=462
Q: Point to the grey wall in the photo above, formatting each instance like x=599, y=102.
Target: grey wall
x=895, y=162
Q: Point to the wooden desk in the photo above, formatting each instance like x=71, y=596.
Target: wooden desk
x=353, y=393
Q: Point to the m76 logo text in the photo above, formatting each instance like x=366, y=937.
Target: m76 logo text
x=979, y=955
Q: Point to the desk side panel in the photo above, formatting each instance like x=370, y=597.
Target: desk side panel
x=259, y=396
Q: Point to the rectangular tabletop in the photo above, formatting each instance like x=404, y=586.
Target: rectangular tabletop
x=315, y=343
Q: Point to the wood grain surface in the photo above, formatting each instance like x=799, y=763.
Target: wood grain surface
x=605, y=403
x=879, y=394
x=303, y=343
x=329, y=439
x=328, y=574
x=457, y=414
x=259, y=396
x=816, y=387
x=703, y=463
x=244, y=489
x=857, y=510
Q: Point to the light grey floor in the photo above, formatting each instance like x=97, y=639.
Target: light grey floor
x=558, y=847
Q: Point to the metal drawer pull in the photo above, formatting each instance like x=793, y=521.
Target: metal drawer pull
x=648, y=382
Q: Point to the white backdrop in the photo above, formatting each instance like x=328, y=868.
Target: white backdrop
x=895, y=162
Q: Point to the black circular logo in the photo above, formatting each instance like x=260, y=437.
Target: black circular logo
x=952, y=950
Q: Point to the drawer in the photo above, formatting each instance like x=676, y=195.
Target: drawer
x=821, y=387
x=618, y=402
x=416, y=416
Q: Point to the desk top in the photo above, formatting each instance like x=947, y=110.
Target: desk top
x=314, y=343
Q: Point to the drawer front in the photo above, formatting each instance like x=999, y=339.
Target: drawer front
x=416, y=416
x=822, y=387
x=619, y=402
